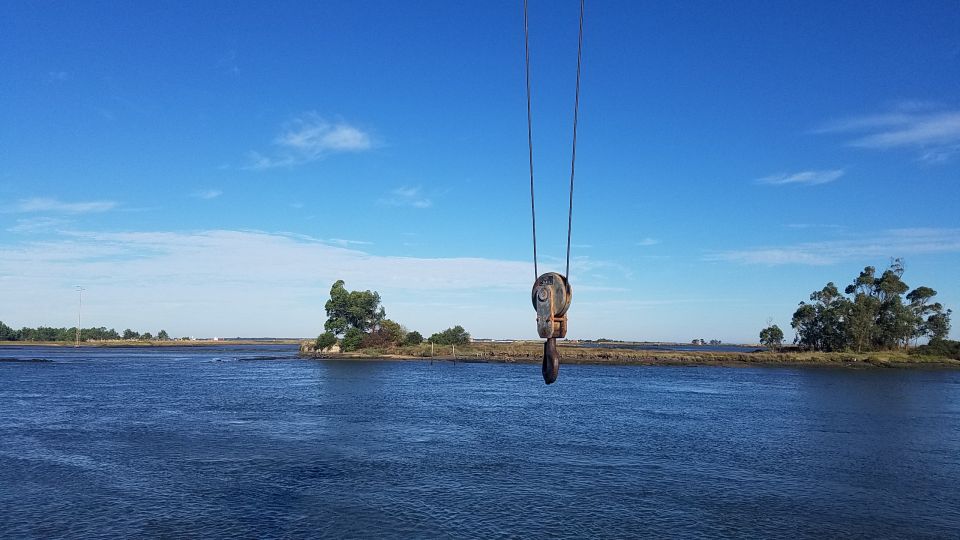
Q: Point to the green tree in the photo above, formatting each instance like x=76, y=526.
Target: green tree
x=771, y=336
x=896, y=322
x=820, y=325
x=162, y=335
x=392, y=331
x=130, y=334
x=451, y=336
x=7, y=333
x=147, y=337
x=938, y=325
x=862, y=320
x=923, y=309
x=352, y=339
x=413, y=338
x=325, y=341
x=919, y=299
x=386, y=333
x=864, y=309
x=878, y=316
x=352, y=309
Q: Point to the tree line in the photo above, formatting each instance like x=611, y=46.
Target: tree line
x=100, y=333
x=872, y=313
x=356, y=320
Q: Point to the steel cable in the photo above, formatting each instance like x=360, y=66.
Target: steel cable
x=533, y=209
x=573, y=158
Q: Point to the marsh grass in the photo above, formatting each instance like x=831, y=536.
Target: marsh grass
x=532, y=352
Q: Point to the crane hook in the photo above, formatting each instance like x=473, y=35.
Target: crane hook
x=551, y=361
x=551, y=298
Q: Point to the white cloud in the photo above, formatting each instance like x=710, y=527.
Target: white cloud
x=37, y=224
x=42, y=204
x=935, y=133
x=645, y=242
x=810, y=178
x=890, y=243
x=407, y=196
x=222, y=282
x=310, y=138
x=242, y=282
x=207, y=194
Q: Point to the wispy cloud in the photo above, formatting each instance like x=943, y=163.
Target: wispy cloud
x=203, y=257
x=648, y=242
x=310, y=138
x=244, y=282
x=207, y=194
x=935, y=133
x=57, y=76
x=37, y=224
x=344, y=242
x=407, y=196
x=812, y=226
x=889, y=243
x=809, y=178
x=228, y=282
x=41, y=204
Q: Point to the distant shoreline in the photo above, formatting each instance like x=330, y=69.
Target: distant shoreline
x=153, y=343
x=531, y=353
x=737, y=361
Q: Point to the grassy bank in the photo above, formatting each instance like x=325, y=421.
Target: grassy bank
x=532, y=352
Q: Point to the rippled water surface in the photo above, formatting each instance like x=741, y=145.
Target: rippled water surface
x=252, y=442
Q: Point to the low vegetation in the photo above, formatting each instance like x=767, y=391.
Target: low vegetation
x=941, y=348
x=531, y=352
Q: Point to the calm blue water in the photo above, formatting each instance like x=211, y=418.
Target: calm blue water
x=196, y=442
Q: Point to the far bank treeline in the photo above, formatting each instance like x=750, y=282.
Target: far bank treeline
x=47, y=333
x=872, y=313
x=356, y=320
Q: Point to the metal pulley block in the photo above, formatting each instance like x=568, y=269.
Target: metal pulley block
x=551, y=298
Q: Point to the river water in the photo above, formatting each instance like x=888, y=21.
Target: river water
x=252, y=442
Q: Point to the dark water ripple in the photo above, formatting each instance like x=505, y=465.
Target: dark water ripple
x=187, y=442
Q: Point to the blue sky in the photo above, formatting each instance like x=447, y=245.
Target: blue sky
x=211, y=168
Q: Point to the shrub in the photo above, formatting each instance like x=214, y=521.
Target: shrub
x=413, y=338
x=451, y=336
x=352, y=340
x=325, y=341
x=939, y=347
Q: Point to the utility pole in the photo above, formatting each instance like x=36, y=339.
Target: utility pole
x=79, y=310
